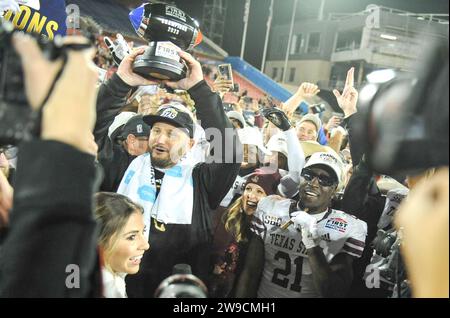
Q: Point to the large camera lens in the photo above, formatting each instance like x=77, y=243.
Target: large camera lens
x=382, y=244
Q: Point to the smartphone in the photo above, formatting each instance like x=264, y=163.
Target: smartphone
x=339, y=115
x=226, y=72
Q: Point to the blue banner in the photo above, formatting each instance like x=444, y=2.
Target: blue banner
x=46, y=17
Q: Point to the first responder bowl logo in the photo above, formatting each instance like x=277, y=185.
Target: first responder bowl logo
x=337, y=224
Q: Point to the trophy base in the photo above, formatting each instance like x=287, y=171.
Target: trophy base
x=152, y=65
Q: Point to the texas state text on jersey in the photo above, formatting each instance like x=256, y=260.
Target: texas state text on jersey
x=287, y=272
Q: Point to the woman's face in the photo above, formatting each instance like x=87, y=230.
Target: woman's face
x=130, y=246
x=252, y=194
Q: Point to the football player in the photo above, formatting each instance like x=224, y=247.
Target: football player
x=303, y=248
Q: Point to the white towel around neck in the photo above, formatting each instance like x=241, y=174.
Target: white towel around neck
x=174, y=203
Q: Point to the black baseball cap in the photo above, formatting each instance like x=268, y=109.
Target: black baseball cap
x=172, y=116
x=135, y=126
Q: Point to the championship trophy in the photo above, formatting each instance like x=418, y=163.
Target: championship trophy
x=168, y=30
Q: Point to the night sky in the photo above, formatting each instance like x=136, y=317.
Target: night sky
x=282, y=14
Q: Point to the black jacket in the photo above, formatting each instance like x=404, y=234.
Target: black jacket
x=179, y=243
x=112, y=156
x=52, y=230
x=362, y=199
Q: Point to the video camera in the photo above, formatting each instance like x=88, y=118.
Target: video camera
x=406, y=116
x=17, y=120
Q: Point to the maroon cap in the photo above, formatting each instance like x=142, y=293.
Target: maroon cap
x=268, y=181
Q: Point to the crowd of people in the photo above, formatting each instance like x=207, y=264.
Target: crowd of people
x=132, y=176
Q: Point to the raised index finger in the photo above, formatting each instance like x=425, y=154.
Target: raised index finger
x=349, y=81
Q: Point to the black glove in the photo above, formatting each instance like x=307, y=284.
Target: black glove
x=277, y=117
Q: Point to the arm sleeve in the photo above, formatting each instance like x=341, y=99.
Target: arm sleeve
x=248, y=281
x=111, y=98
x=52, y=229
x=296, y=156
x=356, y=144
x=355, y=244
x=222, y=166
x=288, y=186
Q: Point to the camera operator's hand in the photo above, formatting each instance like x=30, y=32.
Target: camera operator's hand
x=125, y=70
x=347, y=101
x=6, y=198
x=68, y=115
x=277, y=117
x=41, y=75
x=194, y=75
x=424, y=217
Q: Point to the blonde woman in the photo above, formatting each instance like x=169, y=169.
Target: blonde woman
x=122, y=240
x=231, y=236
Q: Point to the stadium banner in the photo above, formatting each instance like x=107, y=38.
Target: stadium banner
x=46, y=17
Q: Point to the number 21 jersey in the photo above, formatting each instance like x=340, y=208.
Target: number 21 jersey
x=287, y=272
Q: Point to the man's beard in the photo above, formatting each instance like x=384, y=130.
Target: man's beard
x=161, y=162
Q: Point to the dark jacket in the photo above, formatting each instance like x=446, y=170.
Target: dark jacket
x=362, y=199
x=112, y=156
x=52, y=230
x=177, y=243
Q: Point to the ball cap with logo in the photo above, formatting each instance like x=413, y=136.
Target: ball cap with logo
x=329, y=161
x=135, y=126
x=172, y=116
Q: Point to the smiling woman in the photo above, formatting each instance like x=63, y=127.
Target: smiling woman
x=231, y=237
x=122, y=240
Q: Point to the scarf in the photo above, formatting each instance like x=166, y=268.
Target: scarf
x=174, y=203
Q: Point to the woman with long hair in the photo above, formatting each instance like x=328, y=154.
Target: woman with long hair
x=231, y=235
x=122, y=240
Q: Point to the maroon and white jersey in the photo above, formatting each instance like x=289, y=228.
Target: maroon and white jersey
x=287, y=272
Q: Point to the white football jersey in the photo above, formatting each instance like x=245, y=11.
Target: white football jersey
x=287, y=272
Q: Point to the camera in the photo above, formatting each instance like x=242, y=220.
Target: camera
x=168, y=30
x=181, y=284
x=383, y=242
x=405, y=116
x=17, y=120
